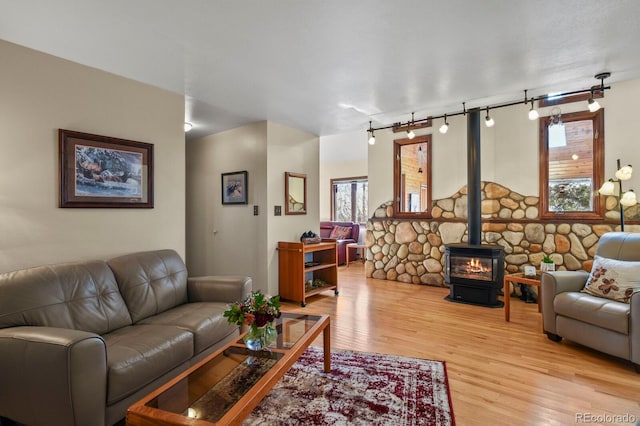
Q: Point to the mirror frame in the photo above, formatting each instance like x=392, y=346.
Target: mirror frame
x=287, y=177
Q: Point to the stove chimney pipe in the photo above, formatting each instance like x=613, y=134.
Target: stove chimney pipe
x=474, y=194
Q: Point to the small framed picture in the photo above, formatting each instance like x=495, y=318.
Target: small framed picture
x=101, y=171
x=234, y=188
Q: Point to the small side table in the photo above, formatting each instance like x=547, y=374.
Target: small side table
x=519, y=278
x=355, y=246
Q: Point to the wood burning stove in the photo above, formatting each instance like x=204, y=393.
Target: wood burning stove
x=475, y=273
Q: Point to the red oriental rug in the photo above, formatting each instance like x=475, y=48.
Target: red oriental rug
x=361, y=389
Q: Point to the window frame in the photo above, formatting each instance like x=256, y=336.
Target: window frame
x=597, y=119
x=397, y=179
x=352, y=180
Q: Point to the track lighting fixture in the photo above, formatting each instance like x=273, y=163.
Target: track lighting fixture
x=445, y=126
x=488, y=121
x=533, y=113
x=187, y=126
x=372, y=138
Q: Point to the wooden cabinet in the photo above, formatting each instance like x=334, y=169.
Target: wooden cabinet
x=298, y=263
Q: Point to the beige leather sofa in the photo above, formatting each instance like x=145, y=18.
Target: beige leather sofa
x=605, y=325
x=79, y=343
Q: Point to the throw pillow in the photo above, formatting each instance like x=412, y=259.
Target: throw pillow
x=340, y=232
x=613, y=279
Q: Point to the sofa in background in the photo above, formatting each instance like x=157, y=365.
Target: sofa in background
x=596, y=320
x=344, y=233
x=80, y=342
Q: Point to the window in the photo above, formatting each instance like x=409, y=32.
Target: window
x=412, y=177
x=571, y=165
x=349, y=199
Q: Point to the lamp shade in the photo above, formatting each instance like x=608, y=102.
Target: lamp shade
x=629, y=199
x=607, y=188
x=624, y=173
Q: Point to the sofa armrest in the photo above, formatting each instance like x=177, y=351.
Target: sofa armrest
x=52, y=376
x=634, y=328
x=228, y=289
x=553, y=283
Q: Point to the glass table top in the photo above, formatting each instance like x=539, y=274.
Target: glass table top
x=209, y=392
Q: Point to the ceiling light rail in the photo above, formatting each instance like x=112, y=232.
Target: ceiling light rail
x=593, y=106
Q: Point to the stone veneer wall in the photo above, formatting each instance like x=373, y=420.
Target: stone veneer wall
x=412, y=251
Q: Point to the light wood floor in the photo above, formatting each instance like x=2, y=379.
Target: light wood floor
x=500, y=373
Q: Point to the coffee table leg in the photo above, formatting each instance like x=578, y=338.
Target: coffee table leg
x=326, y=337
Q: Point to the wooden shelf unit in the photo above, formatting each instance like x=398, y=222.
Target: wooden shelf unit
x=293, y=273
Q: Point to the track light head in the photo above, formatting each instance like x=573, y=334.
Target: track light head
x=533, y=113
x=372, y=138
x=445, y=127
x=410, y=134
x=488, y=121
x=592, y=104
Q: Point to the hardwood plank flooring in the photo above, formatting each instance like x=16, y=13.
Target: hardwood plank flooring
x=500, y=373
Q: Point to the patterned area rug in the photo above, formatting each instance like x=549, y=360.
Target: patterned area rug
x=361, y=389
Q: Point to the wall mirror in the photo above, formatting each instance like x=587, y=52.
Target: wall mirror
x=412, y=177
x=295, y=191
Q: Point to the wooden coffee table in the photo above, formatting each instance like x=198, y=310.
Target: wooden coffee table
x=227, y=385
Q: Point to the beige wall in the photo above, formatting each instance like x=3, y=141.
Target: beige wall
x=227, y=239
x=39, y=94
x=230, y=239
x=509, y=150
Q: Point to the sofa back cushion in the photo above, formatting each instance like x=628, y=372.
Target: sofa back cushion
x=81, y=296
x=619, y=245
x=150, y=282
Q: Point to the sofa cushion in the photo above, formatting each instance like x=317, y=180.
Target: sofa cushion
x=598, y=311
x=139, y=354
x=81, y=296
x=613, y=279
x=341, y=232
x=150, y=282
x=204, y=320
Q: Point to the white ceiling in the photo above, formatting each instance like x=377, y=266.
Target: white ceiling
x=330, y=66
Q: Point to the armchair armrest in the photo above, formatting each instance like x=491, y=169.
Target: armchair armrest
x=553, y=283
x=52, y=376
x=229, y=289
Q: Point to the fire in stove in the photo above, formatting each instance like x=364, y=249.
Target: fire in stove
x=474, y=268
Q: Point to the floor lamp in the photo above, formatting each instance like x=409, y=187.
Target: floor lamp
x=627, y=199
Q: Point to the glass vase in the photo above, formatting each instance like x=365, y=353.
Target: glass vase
x=259, y=338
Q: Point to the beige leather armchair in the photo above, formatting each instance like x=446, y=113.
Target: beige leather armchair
x=603, y=324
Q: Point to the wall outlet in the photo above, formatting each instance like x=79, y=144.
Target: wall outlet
x=277, y=210
x=255, y=210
